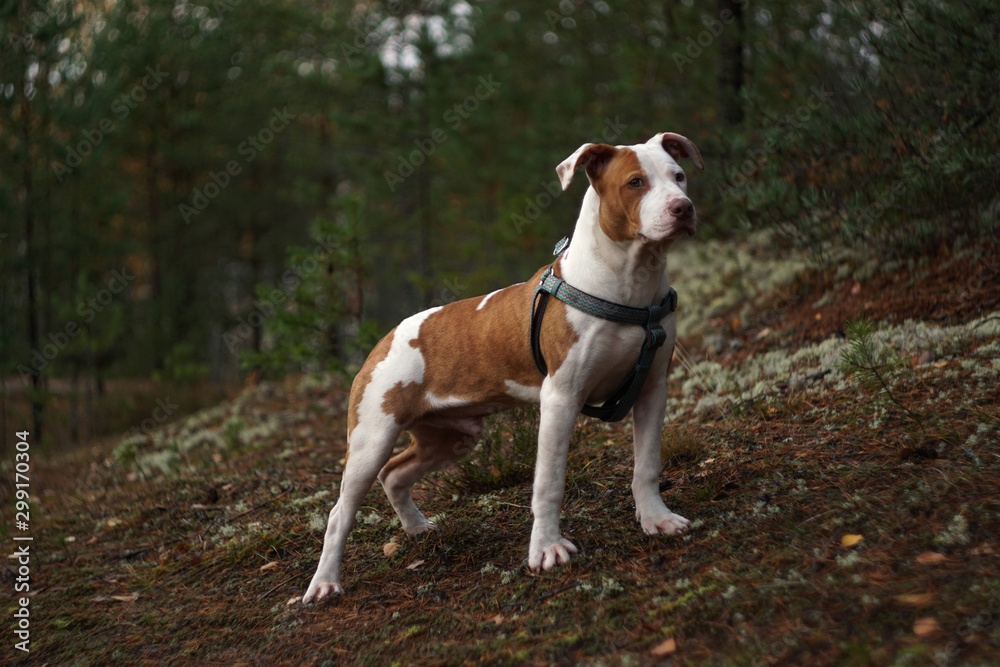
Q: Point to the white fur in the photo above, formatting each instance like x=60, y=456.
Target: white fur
x=522, y=392
x=440, y=403
x=656, y=221
x=486, y=299
x=404, y=364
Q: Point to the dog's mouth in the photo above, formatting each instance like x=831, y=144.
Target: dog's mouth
x=672, y=233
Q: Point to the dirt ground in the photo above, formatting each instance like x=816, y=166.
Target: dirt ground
x=834, y=523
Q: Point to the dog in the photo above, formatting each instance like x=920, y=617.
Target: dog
x=440, y=372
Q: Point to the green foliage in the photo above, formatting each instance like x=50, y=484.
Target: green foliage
x=312, y=319
x=422, y=139
x=875, y=366
x=897, y=156
x=505, y=457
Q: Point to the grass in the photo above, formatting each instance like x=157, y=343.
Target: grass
x=201, y=561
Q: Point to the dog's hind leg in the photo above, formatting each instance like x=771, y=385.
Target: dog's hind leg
x=368, y=453
x=434, y=446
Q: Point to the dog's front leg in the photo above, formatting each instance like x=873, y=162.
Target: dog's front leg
x=558, y=415
x=647, y=430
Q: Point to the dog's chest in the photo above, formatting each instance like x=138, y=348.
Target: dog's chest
x=606, y=353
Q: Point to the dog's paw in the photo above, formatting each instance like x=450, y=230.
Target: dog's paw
x=317, y=591
x=423, y=527
x=547, y=556
x=666, y=523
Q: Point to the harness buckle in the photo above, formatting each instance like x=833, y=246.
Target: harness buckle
x=655, y=336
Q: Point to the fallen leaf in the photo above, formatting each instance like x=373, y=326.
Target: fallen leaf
x=928, y=625
x=125, y=598
x=931, y=558
x=269, y=566
x=916, y=599
x=939, y=364
x=414, y=565
x=856, y=289
x=389, y=548
x=498, y=619
x=664, y=648
x=850, y=540
x=819, y=316
x=292, y=601
x=92, y=540
x=982, y=550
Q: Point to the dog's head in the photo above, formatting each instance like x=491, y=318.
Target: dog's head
x=642, y=189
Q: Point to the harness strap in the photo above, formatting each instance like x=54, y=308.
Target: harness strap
x=623, y=398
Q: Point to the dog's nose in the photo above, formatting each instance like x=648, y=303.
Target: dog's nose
x=681, y=209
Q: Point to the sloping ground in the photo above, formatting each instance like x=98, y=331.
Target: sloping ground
x=833, y=522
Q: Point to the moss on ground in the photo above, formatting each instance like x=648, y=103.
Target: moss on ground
x=828, y=528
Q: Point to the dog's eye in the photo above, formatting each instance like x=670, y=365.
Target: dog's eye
x=635, y=183
x=680, y=178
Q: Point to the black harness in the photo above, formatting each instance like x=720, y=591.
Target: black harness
x=623, y=398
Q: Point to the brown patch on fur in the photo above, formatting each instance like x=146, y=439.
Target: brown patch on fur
x=620, y=202
x=471, y=353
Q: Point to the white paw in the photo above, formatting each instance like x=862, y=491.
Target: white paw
x=547, y=556
x=665, y=522
x=420, y=528
x=318, y=591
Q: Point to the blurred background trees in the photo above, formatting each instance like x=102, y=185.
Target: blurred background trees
x=191, y=191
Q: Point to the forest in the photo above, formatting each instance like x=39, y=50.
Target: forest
x=206, y=206
x=196, y=192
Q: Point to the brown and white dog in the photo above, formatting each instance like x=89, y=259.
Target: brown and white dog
x=441, y=371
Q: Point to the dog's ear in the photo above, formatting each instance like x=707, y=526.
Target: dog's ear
x=593, y=157
x=678, y=147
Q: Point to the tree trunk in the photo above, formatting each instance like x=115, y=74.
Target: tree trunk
x=34, y=335
x=731, y=74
